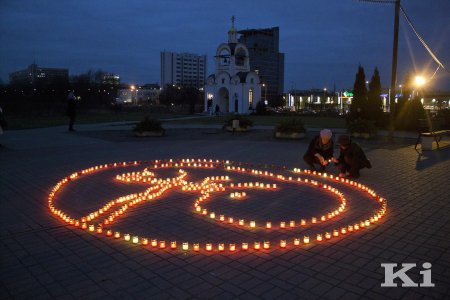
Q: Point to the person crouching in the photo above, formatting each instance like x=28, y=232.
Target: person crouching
x=351, y=158
x=320, y=150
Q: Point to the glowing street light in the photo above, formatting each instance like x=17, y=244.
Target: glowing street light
x=419, y=81
x=265, y=93
x=133, y=93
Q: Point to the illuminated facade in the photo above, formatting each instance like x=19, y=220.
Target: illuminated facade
x=233, y=88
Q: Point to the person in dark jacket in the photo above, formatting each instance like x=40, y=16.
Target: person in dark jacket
x=320, y=150
x=351, y=158
x=71, y=110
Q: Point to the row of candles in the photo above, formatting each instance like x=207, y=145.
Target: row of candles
x=269, y=224
x=257, y=245
x=208, y=185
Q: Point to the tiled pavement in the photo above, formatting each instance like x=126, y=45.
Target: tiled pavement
x=42, y=258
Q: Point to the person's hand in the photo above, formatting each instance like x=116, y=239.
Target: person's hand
x=334, y=159
x=323, y=161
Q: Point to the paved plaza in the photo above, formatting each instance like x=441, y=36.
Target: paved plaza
x=44, y=258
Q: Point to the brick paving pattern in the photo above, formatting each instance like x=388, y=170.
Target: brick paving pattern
x=43, y=258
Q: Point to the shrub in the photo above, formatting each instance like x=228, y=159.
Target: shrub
x=290, y=126
x=409, y=114
x=148, y=124
x=361, y=126
x=243, y=121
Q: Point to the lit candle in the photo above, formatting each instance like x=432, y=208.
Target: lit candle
x=144, y=241
x=154, y=243
x=109, y=232
x=343, y=230
x=327, y=235
x=185, y=246
x=292, y=224
x=252, y=224
x=208, y=247
x=350, y=228
x=135, y=240
x=257, y=245
x=99, y=229
x=222, y=218
x=83, y=226
x=162, y=244
x=126, y=237
x=283, y=244
x=303, y=222
x=230, y=220
x=319, y=237
x=212, y=215
x=335, y=232
x=296, y=241
x=268, y=225
x=314, y=220
x=282, y=224
x=244, y=246
x=232, y=247
x=196, y=247
x=116, y=234
x=306, y=239
x=221, y=247
x=266, y=245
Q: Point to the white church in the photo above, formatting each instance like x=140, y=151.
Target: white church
x=233, y=88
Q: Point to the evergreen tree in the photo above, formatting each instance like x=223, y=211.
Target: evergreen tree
x=359, y=102
x=375, y=105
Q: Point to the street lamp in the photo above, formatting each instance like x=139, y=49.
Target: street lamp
x=419, y=82
x=132, y=88
x=265, y=93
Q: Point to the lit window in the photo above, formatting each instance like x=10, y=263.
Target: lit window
x=250, y=98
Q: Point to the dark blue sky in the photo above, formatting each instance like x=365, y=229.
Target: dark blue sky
x=323, y=40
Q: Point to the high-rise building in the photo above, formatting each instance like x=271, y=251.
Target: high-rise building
x=35, y=74
x=183, y=69
x=265, y=59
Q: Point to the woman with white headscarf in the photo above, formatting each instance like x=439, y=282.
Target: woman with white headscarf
x=320, y=150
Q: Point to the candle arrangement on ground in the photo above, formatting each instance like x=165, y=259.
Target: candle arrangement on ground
x=101, y=221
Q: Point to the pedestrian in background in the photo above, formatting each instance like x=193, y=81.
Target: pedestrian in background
x=71, y=110
x=3, y=123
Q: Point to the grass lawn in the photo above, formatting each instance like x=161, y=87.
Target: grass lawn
x=38, y=120
x=310, y=121
x=48, y=120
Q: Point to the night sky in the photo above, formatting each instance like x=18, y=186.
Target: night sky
x=323, y=40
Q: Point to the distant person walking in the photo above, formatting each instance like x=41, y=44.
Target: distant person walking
x=217, y=109
x=71, y=110
x=3, y=123
x=320, y=150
